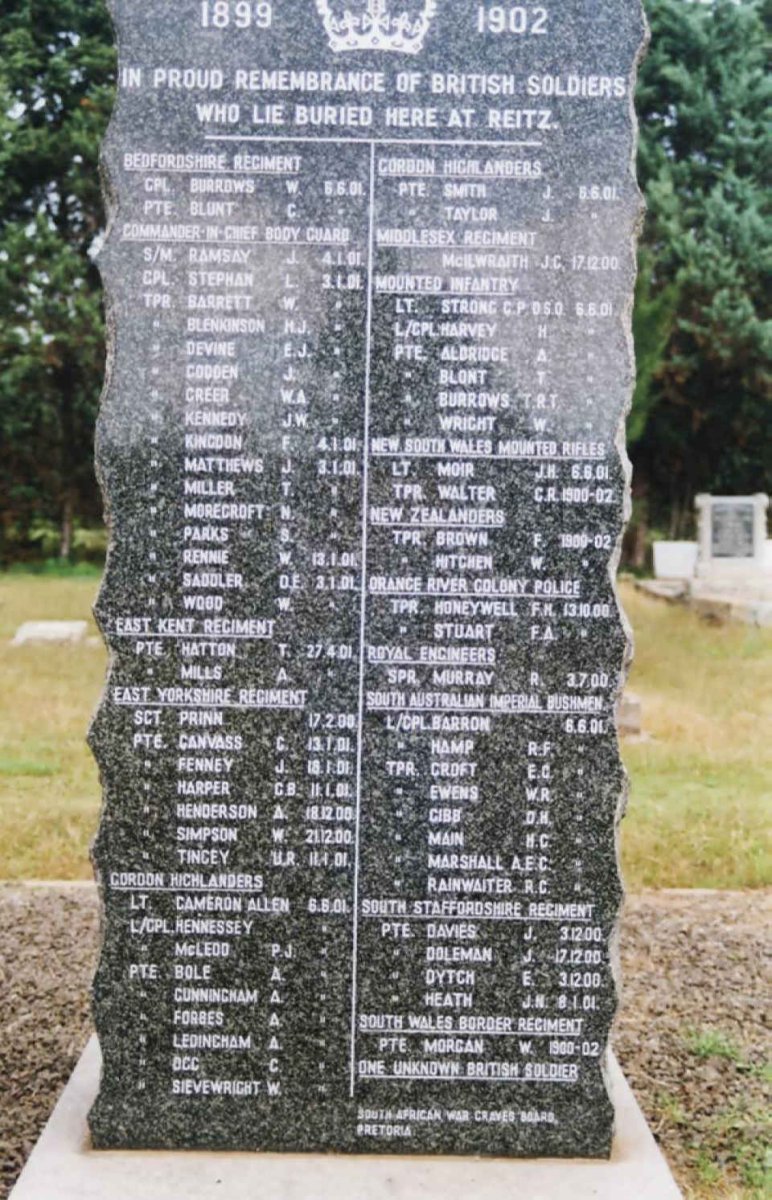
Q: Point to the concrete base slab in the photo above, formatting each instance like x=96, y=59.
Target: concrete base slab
x=711, y=601
x=64, y=1167
x=674, y=591
x=752, y=605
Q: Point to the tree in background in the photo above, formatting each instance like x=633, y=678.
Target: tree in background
x=701, y=412
x=56, y=88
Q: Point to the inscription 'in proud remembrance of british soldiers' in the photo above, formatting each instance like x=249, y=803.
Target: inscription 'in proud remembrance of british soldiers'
x=369, y=273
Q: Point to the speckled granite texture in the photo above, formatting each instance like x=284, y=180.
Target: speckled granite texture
x=369, y=276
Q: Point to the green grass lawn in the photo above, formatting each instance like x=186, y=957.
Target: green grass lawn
x=701, y=785
x=49, y=787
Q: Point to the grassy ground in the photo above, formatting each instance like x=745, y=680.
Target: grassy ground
x=724, y=1152
x=701, y=783
x=734, y=1138
x=49, y=789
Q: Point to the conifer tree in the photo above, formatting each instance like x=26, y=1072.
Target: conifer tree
x=56, y=87
x=701, y=415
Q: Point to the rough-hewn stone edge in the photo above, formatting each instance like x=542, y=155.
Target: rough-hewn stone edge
x=111, y=204
x=626, y=321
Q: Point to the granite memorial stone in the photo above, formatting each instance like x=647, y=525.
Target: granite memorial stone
x=369, y=271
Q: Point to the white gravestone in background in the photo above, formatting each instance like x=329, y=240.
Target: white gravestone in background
x=732, y=532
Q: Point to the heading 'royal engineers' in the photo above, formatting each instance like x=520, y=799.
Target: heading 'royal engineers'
x=369, y=272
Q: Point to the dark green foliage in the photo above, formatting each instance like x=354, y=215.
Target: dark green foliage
x=56, y=86
x=701, y=415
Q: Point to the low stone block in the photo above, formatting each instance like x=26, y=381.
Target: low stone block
x=675, y=560
x=50, y=631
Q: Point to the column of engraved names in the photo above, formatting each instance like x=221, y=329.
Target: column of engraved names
x=465, y=737
x=233, y=689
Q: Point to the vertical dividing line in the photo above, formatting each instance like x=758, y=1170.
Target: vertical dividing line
x=362, y=615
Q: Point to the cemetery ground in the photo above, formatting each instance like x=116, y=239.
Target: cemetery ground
x=691, y=1034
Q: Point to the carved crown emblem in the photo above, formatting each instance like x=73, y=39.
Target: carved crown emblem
x=369, y=25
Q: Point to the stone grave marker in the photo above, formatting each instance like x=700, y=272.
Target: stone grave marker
x=50, y=631
x=732, y=532
x=369, y=271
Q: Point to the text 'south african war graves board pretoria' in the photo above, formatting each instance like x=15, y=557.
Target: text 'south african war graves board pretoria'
x=369, y=272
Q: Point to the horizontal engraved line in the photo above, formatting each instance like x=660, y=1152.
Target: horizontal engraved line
x=433, y=525
x=453, y=248
x=461, y=454
x=404, y=708
x=364, y=142
x=473, y=595
x=414, y=292
x=211, y=171
x=510, y=920
x=468, y=1033
x=417, y=662
x=149, y=887
x=237, y=243
x=478, y=178
x=207, y=704
x=188, y=637
x=513, y=1080
x=491, y=712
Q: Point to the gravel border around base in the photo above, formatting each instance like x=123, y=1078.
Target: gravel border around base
x=691, y=1035
x=48, y=946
